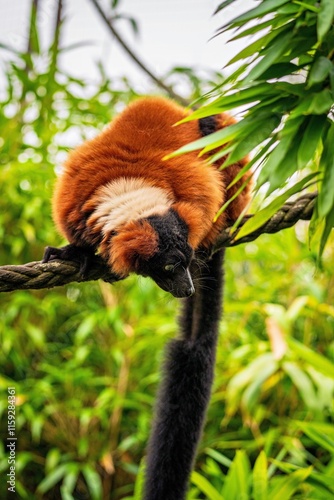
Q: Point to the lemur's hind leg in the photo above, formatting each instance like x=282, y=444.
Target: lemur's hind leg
x=185, y=391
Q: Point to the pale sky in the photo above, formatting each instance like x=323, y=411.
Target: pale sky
x=172, y=32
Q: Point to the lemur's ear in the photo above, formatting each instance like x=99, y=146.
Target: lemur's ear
x=135, y=239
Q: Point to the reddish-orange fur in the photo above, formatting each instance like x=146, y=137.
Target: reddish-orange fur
x=132, y=240
x=134, y=145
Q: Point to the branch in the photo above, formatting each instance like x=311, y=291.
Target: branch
x=137, y=60
x=37, y=275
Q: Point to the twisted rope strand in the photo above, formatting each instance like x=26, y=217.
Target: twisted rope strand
x=288, y=215
x=37, y=275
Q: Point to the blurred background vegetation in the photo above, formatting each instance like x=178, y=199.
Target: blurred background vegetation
x=84, y=359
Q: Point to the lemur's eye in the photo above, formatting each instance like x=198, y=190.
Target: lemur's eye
x=169, y=267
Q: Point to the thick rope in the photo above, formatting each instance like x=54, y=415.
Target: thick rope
x=287, y=216
x=36, y=275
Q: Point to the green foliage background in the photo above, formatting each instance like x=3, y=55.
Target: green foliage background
x=84, y=359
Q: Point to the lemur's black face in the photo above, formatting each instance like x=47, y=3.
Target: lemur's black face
x=169, y=267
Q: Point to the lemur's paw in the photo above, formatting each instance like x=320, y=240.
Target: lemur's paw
x=83, y=255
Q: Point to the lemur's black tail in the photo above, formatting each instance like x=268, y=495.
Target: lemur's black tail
x=186, y=388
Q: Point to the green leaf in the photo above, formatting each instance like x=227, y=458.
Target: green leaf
x=52, y=478
x=319, y=362
x=321, y=433
x=272, y=54
x=263, y=215
x=253, y=139
x=250, y=396
x=257, y=158
x=307, y=6
x=310, y=140
x=71, y=477
x=326, y=195
x=222, y=5
x=319, y=71
x=279, y=69
x=93, y=481
x=288, y=166
x=218, y=457
x=205, y=487
x=139, y=485
x=252, y=30
x=260, y=477
x=259, y=11
x=233, y=100
x=275, y=158
x=218, y=138
x=303, y=383
x=236, y=486
x=329, y=225
x=244, y=377
x=315, y=103
x=252, y=49
x=34, y=44
x=287, y=486
x=232, y=198
x=325, y=18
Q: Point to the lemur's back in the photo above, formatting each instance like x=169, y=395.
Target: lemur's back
x=133, y=147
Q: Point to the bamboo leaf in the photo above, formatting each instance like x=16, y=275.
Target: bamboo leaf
x=321, y=433
x=236, y=485
x=205, y=487
x=315, y=359
x=34, y=45
x=139, y=485
x=251, y=49
x=253, y=139
x=315, y=103
x=279, y=69
x=274, y=52
x=218, y=457
x=259, y=11
x=71, y=477
x=303, y=383
x=263, y=215
x=232, y=100
x=52, y=478
x=231, y=199
x=93, y=481
x=310, y=140
x=288, y=485
x=276, y=157
x=288, y=166
x=326, y=195
x=319, y=71
x=252, y=30
x=238, y=130
x=223, y=5
x=254, y=160
x=260, y=477
x=329, y=225
x=307, y=6
x=325, y=18
x=251, y=393
x=218, y=138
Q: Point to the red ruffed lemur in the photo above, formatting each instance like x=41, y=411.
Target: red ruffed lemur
x=147, y=215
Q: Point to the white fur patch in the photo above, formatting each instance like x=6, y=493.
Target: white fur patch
x=127, y=199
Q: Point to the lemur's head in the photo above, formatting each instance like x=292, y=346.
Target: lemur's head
x=157, y=247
